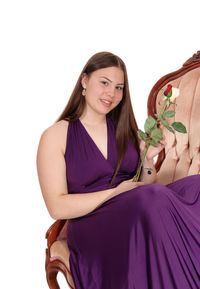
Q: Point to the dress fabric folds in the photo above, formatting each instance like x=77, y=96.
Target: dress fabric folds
x=145, y=238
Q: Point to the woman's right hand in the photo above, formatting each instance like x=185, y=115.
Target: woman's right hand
x=126, y=186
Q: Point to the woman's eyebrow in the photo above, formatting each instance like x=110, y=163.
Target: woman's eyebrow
x=111, y=80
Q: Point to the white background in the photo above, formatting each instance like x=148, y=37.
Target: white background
x=44, y=46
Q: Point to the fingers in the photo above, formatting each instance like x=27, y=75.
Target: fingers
x=163, y=142
x=161, y=125
x=142, y=145
x=140, y=183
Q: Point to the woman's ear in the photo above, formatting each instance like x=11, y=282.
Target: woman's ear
x=84, y=80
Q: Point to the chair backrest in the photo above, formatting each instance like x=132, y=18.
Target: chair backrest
x=181, y=156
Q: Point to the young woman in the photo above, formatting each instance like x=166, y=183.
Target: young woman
x=121, y=234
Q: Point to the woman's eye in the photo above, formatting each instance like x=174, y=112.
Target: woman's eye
x=105, y=82
x=119, y=87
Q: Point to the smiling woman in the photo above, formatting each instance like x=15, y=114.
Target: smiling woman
x=119, y=233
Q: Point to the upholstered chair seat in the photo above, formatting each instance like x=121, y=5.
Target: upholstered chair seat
x=57, y=255
x=59, y=251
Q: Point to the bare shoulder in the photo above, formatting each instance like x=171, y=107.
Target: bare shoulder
x=57, y=134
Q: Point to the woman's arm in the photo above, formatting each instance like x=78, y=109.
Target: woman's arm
x=145, y=177
x=51, y=167
x=148, y=163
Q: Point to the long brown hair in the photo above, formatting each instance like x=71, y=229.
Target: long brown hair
x=123, y=116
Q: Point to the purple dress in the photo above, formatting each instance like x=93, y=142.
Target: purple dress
x=145, y=238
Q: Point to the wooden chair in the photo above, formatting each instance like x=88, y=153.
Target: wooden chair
x=180, y=157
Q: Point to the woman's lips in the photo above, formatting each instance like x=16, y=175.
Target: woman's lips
x=106, y=104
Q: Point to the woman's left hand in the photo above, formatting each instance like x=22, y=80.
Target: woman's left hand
x=152, y=151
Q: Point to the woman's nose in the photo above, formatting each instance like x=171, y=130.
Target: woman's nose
x=111, y=91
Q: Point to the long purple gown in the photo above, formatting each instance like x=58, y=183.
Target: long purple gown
x=145, y=238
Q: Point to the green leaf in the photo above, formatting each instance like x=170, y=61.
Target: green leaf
x=142, y=135
x=169, y=113
x=149, y=124
x=156, y=134
x=153, y=143
x=178, y=126
x=170, y=129
x=165, y=122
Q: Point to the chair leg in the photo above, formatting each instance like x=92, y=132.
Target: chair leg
x=51, y=275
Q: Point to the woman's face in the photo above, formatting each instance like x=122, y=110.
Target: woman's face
x=103, y=84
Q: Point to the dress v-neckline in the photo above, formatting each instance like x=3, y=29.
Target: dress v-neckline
x=97, y=148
